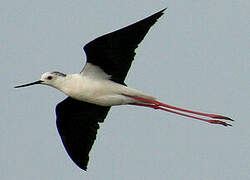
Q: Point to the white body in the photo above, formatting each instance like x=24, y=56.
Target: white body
x=99, y=91
x=93, y=85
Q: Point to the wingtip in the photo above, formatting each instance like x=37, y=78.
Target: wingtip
x=162, y=11
x=82, y=167
x=158, y=14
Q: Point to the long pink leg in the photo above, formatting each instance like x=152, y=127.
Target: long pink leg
x=157, y=105
x=186, y=115
x=150, y=101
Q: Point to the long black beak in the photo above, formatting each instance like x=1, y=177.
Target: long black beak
x=29, y=84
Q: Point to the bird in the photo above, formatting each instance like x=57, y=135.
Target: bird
x=100, y=85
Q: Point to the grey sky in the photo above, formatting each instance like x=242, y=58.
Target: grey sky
x=196, y=56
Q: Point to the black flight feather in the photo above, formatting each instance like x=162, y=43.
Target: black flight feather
x=77, y=121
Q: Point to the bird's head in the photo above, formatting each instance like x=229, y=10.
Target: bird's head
x=53, y=79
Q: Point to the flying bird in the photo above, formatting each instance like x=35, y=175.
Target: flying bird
x=100, y=85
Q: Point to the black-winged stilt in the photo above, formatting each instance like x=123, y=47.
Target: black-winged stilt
x=100, y=85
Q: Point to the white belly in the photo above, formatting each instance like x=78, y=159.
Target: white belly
x=102, y=92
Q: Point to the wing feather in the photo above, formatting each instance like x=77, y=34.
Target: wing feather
x=115, y=51
x=77, y=123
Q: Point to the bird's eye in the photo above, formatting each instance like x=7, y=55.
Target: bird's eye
x=49, y=77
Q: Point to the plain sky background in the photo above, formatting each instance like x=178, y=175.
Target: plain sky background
x=196, y=56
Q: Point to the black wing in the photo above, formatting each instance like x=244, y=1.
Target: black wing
x=77, y=123
x=114, y=52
